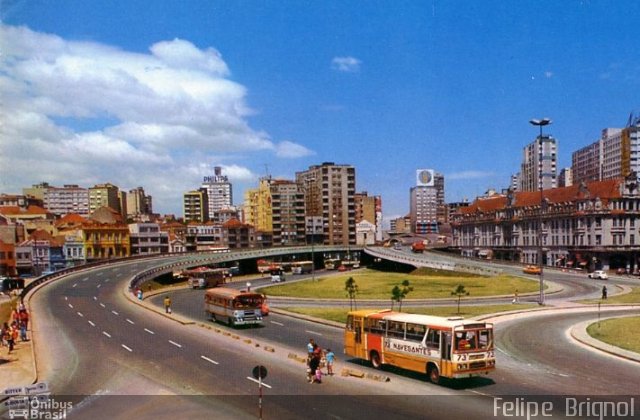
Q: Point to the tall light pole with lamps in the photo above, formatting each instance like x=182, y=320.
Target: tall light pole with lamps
x=540, y=123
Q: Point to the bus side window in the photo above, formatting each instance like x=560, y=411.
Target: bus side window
x=350, y=323
x=415, y=332
x=395, y=329
x=433, y=339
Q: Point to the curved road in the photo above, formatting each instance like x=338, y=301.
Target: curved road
x=92, y=341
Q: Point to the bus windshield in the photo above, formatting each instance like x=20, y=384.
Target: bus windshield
x=250, y=301
x=473, y=340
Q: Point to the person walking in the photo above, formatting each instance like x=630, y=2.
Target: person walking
x=330, y=356
x=167, y=304
x=604, y=292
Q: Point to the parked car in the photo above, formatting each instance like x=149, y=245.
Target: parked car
x=598, y=274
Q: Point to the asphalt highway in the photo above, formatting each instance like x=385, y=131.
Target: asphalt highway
x=120, y=360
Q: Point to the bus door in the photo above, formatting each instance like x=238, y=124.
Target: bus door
x=353, y=338
x=446, y=367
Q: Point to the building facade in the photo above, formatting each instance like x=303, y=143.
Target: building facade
x=104, y=195
x=427, y=208
x=539, y=165
x=589, y=225
x=195, y=206
x=287, y=200
x=329, y=193
x=147, y=239
x=67, y=200
x=219, y=190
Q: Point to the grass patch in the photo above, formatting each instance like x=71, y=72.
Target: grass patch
x=631, y=297
x=618, y=332
x=378, y=285
x=340, y=314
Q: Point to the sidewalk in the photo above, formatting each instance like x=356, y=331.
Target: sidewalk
x=17, y=368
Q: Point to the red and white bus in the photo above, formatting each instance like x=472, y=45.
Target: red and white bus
x=440, y=347
x=233, y=307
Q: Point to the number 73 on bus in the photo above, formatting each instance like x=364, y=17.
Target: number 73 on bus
x=437, y=346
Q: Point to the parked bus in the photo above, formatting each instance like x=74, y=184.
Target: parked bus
x=233, y=307
x=266, y=266
x=332, y=263
x=301, y=267
x=205, y=277
x=440, y=347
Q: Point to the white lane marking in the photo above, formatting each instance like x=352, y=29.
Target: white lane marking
x=313, y=332
x=85, y=279
x=115, y=313
x=107, y=281
x=149, y=331
x=256, y=381
x=130, y=321
x=277, y=323
x=70, y=305
x=95, y=298
x=175, y=344
x=100, y=273
x=66, y=298
x=98, y=286
x=102, y=304
x=126, y=348
x=480, y=393
x=92, y=324
x=209, y=360
x=80, y=314
x=106, y=333
x=74, y=284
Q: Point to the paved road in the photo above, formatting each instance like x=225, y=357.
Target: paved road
x=98, y=343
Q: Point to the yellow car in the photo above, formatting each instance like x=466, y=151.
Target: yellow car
x=531, y=269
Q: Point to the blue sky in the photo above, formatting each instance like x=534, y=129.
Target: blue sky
x=157, y=93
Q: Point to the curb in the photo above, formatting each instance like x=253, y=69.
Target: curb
x=174, y=317
x=579, y=333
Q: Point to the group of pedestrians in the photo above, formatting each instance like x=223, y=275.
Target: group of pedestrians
x=317, y=358
x=17, y=328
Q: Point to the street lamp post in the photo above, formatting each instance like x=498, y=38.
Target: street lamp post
x=540, y=123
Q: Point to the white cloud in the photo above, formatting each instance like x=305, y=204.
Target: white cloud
x=346, y=64
x=287, y=149
x=548, y=74
x=83, y=111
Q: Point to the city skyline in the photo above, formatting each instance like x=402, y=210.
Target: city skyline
x=170, y=92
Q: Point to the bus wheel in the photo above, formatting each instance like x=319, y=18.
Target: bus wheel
x=434, y=374
x=375, y=360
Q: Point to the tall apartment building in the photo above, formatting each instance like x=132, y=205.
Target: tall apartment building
x=616, y=154
x=329, y=194
x=427, y=208
x=369, y=208
x=104, y=195
x=287, y=199
x=36, y=190
x=258, y=210
x=138, y=203
x=539, y=164
x=565, y=179
x=66, y=200
x=219, y=190
x=586, y=163
x=195, y=206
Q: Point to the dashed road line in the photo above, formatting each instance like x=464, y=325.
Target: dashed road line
x=70, y=305
x=66, y=298
x=85, y=279
x=98, y=286
x=209, y=360
x=277, y=323
x=106, y=333
x=126, y=348
x=313, y=332
x=149, y=331
x=74, y=284
x=115, y=313
x=130, y=321
x=92, y=324
x=80, y=314
x=103, y=305
x=175, y=344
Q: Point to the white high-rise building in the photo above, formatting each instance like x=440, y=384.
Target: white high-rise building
x=427, y=208
x=219, y=191
x=539, y=164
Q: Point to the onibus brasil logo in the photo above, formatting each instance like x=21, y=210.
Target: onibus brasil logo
x=34, y=402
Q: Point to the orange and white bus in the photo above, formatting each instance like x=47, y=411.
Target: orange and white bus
x=301, y=267
x=440, y=347
x=234, y=307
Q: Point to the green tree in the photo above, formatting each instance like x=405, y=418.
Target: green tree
x=352, y=290
x=460, y=291
x=398, y=294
